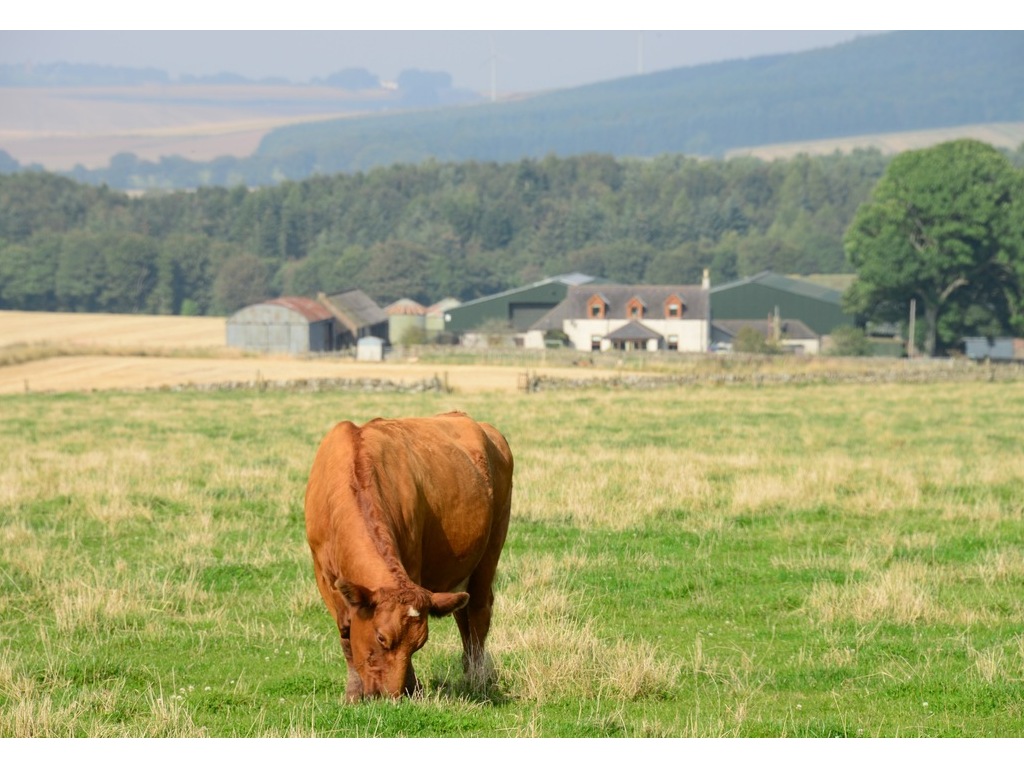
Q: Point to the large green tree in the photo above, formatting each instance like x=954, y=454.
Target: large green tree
x=937, y=229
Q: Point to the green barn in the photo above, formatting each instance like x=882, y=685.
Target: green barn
x=518, y=308
x=758, y=298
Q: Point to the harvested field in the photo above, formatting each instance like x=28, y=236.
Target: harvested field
x=150, y=332
x=1005, y=135
x=68, y=352
x=62, y=127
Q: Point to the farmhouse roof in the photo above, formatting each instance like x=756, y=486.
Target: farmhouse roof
x=617, y=297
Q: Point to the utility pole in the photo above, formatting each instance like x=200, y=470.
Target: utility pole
x=910, y=328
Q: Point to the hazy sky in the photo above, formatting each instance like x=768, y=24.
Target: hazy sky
x=440, y=36
x=523, y=60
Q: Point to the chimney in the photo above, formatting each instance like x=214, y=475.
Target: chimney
x=705, y=281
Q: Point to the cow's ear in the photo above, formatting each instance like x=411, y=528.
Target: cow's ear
x=355, y=595
x=443, y=603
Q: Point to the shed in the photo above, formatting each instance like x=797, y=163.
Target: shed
x=356, y=315
x=370, y=349
x=289, y=325
x=999, y=348
x=793, y=335
x=766, y=294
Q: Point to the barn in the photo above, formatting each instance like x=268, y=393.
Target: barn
x=517, y=309
x=288, y=325
x=299, y=325
x=767, y=294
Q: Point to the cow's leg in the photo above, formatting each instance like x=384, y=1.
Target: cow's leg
x=475, y=619
x=354, y=685
x=339, y=610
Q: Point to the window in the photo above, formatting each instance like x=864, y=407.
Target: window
x=635, y=308
x=673, y=343
x=674, y=308
x=596, y=307
x=595, y=343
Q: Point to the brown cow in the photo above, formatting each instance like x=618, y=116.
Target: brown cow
x=402, y=515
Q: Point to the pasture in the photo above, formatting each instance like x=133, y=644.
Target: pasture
x=829, y=559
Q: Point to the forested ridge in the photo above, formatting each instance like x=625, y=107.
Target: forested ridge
x=885, y=83
x=424, y=231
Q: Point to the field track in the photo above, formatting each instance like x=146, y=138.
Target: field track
x=148, y=352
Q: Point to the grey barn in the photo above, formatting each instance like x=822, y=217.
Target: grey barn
x=298, y=325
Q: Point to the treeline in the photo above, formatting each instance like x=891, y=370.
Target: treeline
x=424, y=231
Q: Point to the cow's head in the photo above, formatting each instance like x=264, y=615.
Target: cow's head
x=387, y=626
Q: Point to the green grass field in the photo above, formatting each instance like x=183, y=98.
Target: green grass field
x=796, y=561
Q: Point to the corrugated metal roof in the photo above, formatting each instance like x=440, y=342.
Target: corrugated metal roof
x=789, y=284
x=571, y=279
x=310, y=309
x=355, y=309
x=405, y=307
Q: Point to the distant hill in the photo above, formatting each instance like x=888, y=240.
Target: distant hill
x=880, y=84
x=904, y=81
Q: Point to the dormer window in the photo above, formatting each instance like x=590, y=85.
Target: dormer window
x=674, y=308
x=597, y=306
x=635, y=308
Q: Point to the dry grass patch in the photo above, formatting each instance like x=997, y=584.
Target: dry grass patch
x=900, y=594
x=609, y=488
x=1001, y=566
x=550, y=649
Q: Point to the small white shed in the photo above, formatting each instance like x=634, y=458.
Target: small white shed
x=370, y=349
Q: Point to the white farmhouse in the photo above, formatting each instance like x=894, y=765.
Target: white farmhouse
x=593, y=318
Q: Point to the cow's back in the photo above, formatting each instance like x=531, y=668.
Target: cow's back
x=435, y=489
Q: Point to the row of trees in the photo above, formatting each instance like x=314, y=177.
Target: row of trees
x=943, y=226
x=426, y=231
